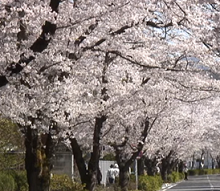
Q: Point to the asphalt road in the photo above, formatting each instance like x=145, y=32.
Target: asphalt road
x=197, y=183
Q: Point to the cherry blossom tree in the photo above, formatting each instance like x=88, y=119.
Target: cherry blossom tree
x=209, y=140
x=183, y=129
x=72, y=67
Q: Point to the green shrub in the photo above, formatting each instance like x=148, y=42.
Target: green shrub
x=175, y=177
x=132, y=178
x=169, y=178
x=193, y=172
x=203, y=171
x=208, y=171
x=215, y=171
x=7, y=182
x=77, y=186
x=61, y=183
x=64, y=183
x=150, y=183
x=212, y=171
x=132, y=182
x=181, y=175
x=20, y=180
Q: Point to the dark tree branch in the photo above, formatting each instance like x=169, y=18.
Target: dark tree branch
x=39, y=45
x=54, y=4
x=42, y=69
x=121, y=30
x=193, y=100
x=81, y=38
x=157, y=25
x=144, y=81
x=3, y=81
x=42, y=42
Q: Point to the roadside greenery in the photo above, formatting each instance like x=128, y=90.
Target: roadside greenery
x=7, y=183
x=17, y=181
x=64, y=183
x=175, y=177
x=12, y=180
x=150, y=183
x=203, y=171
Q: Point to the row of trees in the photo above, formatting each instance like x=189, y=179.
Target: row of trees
x=134, y=76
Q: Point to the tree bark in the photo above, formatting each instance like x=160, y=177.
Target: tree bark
x=218, y=161
x=213, y=163
x=181, y=166
x=89, y=176
x=39, y=149
x=95, y=155
x=166, y=166
x=193, y=161
x=124, y=163
x=123, y=178
x=80, y=162
x=173, y=166
x=140, y=166
x=151, y=166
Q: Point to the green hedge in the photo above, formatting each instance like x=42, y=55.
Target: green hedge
x=20, y=179
x=150, y=183
x=7, y=182
x=175, y=177
x=64, y=183
x=17, y=181
x=203, y=171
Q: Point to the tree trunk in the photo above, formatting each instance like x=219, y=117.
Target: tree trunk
x=151, y=166
x=164, y=169
x=218, y=161
x=213, y=163
x=93, y=165
x=123, y=178
x=166, y=166
x=193, y=161
x=173, y=166
x=89, y=176
x=39, y=149
x=123, y=162
x=181, y=166
x=140, y=166
x=80, y=162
